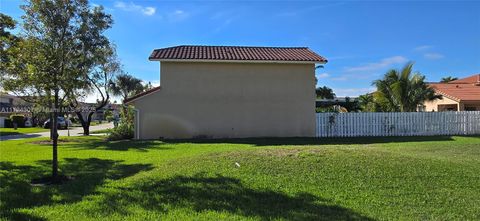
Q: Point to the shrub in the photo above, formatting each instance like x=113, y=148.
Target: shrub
x=123, y=131
x=8, y=123
x=125, y=128
x=18, y=119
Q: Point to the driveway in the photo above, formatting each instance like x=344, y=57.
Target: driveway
x=74, y=131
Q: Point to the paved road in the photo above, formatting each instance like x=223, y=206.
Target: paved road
x=74, y=131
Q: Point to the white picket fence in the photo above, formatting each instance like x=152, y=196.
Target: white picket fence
x=397, y=124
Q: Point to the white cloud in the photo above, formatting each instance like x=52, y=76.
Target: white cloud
x=323, y=75
x=149, y=10
x=433, y=56
x=177, y=15
x=132, y=7
x=341, y=78
x=423, y=48
x=352, y=92
x=384, y=63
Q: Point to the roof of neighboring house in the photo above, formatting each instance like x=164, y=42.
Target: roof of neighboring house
x=237, y=53
x=130, y=99
x=465, y=89
x=472, y=79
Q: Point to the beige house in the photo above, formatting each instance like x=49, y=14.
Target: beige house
x=458, y=95
x=229, y=92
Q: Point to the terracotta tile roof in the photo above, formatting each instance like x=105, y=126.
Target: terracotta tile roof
x=465, y=89
x=472, y=79
x=130, y=99
x=237, y=53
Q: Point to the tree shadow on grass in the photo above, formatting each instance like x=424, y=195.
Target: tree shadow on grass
x=16, y=191
x=123, y=145
x=202, y=193
x=313, y=141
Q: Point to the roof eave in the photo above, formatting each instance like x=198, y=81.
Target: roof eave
x=239, y=61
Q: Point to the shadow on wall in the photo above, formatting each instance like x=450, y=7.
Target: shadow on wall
x=171, y=126
x=222, y=194
x=16, y=192
x=313, y=141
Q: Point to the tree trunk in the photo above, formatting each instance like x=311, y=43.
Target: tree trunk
x=85, y=123
x=55, y=139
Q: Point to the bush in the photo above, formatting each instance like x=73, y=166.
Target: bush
x=125, y=128
x=18, y=119
x=8, y=123
x=121, y=132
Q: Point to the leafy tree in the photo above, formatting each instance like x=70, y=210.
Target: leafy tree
x=126, y=85
x=7, y=40
x=324, y=92
x=57, y=55
x=402, y=91
x=97, y=62
x=448, y=79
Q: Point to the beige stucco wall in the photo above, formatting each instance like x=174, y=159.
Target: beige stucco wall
x=463, y=105
x=230, y=100
x=433, y=105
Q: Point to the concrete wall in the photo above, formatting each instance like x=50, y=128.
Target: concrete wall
x=230, y=100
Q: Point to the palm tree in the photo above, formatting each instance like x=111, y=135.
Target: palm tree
x=448, y=79
x=324, y=92
x=400, y=91
x=126, y=85
x=367, y=103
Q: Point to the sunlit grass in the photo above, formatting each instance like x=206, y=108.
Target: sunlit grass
x=420, y=178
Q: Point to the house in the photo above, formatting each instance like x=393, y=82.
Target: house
x=11, y=104
x=229, y=92
x=459, y=95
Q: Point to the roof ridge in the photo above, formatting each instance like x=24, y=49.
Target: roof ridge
x=237, y=46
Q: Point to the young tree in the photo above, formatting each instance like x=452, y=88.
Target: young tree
x=126, y=85
x=48, y=59
x=400, y=91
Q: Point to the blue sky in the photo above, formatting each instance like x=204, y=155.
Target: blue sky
x=361, y=39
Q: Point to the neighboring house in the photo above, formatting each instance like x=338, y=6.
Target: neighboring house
x=11, y=104
x=342, y=104
x=99, y=115
x=229, y=92
x=458, y=95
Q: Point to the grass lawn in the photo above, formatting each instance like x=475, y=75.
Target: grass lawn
x=11, y=131
x=422, y=178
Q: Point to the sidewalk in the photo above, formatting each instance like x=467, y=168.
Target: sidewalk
x=74, y=131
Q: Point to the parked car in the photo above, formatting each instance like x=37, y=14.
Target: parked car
x=61, y=123
x=28, y=123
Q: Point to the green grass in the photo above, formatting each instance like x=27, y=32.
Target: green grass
x=11, y=131
x=420, y=178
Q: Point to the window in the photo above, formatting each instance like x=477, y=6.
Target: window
x=470, y=108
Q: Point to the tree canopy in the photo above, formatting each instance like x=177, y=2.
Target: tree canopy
x=448, y=79
x=402, y=91
x=324, y=92
x=62, y=54
x=126, y=85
